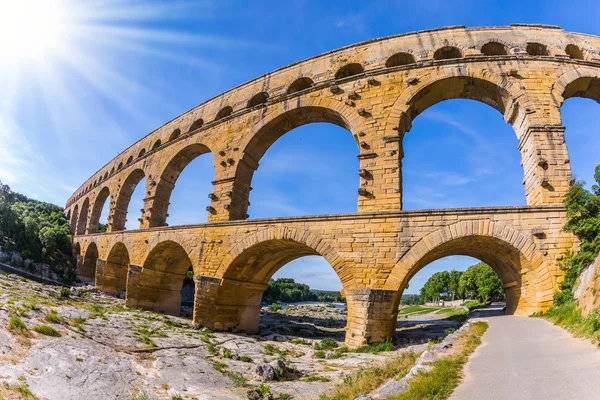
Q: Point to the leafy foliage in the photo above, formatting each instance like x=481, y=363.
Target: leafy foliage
x=288, y=291
x=38, y=231
x=583, y=220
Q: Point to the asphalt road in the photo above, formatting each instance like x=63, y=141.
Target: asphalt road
x=529, y=359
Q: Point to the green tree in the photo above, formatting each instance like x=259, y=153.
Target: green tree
x=454, y=284
x=480, y=282
x=436, y=287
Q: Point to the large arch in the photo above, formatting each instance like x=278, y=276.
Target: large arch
x=97, y=209
x=119, y=215
x=158, y=285
x=581, y=82
x=73, y=222
x=513, y=255
x=495, y=91
x=168, y=177
x=83, y=217
x=87, y=269
x=113, y=278
x=268, y=133
x=247, y=268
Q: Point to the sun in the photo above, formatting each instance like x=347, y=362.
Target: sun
x=31, y=29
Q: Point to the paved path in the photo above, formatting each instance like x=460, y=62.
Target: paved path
x=524, y=358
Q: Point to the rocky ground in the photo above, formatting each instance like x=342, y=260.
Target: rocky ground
x=104, y=351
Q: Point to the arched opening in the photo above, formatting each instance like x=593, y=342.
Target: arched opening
x=73, y=223
x=494, y=49
x=258, y=99
x=580, y=116
x=246, y=278
x=399, y=59
x=87, y=270
x=129, y=160
x=197, y=124
x=224, y=112
x=446, y=53
x=299, y=85
x=455, y=155
x=188, y=204
x=141, y=153
x=83, y=217
x=161, y=279
x=188, y=292
x=124, y=204
x=156, y=145
x=320, y=160
x=175, y=134
x=99, y=212
x=113, y=279
x=120, y=167
x=303, y=287
x=432, y=302
x=537, y=49
x=349, y=70
x=574, y=52
x=185, y=185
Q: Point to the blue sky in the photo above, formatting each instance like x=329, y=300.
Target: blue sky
x=119, y=69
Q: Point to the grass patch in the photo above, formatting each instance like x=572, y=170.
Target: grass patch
x=440, y=382
x=274, y=307
x=473, y=305
x=22, y=389
x=365, y=380
x=16, y=325
x=237, y=378
x=300, y=341
x=46, y=330
x=455, y=314
x=416, y=310
x=375, y=348
x=326, y=344
x=53, y=317
x=246, y=359
x=219, y=366
x=570, y=318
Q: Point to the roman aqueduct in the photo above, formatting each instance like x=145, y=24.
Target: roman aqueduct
x=374, y=90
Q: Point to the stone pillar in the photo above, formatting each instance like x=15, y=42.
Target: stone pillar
x=237, y=307
x=372, y=315
x=205, y=299
x=100, y=269
x=116, y=219
x=230, y=200
x=133, y=279
x=155, y=212
x=546, y=164
x=380, y=186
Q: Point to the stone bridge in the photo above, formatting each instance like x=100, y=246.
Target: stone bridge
x=375, y=90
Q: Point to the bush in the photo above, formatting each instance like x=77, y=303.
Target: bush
x=274, y=307
x=46, y=330
x=15, y=324
x=53, y=317
x=65, y=292
x=319, y=354
x=326, y=344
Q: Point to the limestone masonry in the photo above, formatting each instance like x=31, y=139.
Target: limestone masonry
x=375, y=90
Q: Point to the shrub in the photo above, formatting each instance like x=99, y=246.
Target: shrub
x=53, y=317
x=326, y=344
x=65, y=292
x=274, y=307
x=245, y=359
x=16, y=324
x=319, y=354
x=46, y=330
x=263, y=389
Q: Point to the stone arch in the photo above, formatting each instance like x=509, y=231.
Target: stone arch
x=87, y=269
x=349, y=70
x=400, y=59
x=224, y=112
x=299, y=85
x=83, y=217
x=175, y=134
x=73, y=222
x=129, y=161
x=494, y=48
x=537, y=49
x=581, y=82
x=158, y=285
x=97, y=209
x=447, y=53
x=156, y=145
x=197, y=124
x=168, y=177
x=267, y=133
x=247, y=268
x=141, y=153
x=119, y=214
x=258, y=99
x=112, y=277
x=574, y=52
x=457, y=83
x=512, y=254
